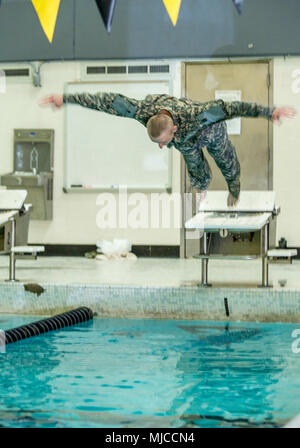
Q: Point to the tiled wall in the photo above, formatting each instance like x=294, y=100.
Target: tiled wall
x=261, y=304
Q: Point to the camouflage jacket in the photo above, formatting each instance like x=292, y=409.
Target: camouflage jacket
x=190, y=117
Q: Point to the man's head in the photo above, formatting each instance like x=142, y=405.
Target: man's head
x=161, y=129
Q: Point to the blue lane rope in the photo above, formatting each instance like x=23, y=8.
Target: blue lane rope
x=73, y=317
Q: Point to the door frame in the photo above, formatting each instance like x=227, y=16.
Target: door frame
x=270, y=84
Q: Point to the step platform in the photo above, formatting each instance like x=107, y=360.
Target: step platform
x=281, y=255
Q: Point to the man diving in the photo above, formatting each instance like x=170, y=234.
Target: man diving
x=187, y=125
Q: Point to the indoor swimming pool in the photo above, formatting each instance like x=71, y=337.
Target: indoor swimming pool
x=134, y=373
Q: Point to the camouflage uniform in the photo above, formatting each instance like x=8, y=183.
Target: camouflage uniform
x=198, y=124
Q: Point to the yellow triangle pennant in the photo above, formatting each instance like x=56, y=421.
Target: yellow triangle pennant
x=47, y=13
x=173, y=7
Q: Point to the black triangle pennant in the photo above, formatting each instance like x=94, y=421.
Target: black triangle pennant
x=106, y=8
x=238, y=4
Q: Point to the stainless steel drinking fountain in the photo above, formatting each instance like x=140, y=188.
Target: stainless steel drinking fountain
x=33, y=169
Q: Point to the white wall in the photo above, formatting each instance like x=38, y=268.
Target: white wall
x=74, y=215
x=287, y=150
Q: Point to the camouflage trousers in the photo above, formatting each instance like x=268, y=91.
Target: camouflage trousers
x=216, y=140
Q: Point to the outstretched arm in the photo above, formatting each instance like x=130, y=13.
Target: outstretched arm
x=198, y=115
x=112, y=103
x=241, y=109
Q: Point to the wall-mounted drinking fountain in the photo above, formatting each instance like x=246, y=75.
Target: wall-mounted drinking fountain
x=33, y=169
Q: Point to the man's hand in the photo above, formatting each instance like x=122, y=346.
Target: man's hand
x=56, y=101
x=231, y=200
x=280, y=112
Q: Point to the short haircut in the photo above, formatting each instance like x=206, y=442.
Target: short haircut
x=157, y=124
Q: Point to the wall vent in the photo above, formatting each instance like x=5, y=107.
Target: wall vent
x=95, y=70
x=16, y=72
x=114, y=69
x=138, y=69
x=159, y=68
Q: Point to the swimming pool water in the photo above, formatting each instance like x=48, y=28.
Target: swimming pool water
x=131, y=373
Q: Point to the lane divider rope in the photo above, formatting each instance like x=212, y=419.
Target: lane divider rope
x=73, y=317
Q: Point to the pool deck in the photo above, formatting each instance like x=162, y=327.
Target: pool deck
x=153, y=288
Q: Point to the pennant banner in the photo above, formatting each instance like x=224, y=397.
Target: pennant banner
x=173, y=7
x=238, y=4
x=106, y=8
x=47, y=14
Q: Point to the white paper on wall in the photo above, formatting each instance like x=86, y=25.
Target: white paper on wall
x=233, y=125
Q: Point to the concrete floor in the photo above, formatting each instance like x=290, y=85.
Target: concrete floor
x=170, y=272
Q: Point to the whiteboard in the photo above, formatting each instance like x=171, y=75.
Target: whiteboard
x=105, y=151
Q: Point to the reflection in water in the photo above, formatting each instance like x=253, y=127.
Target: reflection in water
x=26, y=377
x=150, y=373
x=129, y=334
x=25, y=369
x=194, y=421
x=40, y=418
x=226, y=336
x=221, y=371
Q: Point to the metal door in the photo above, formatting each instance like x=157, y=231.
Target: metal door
x=250, y=82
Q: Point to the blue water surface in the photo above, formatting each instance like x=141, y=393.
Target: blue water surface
x=132, y=373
